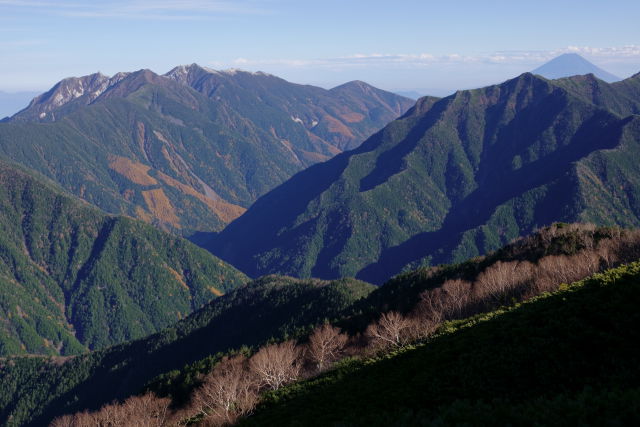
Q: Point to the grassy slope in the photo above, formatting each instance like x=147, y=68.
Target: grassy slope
x=35, y=390
x=567, y=357
x=72, y=277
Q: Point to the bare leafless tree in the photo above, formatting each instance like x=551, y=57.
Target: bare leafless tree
x=80, y=419
x=147, y=410
x=143, y=411
x=63, y=421
x=502, y=281
x=326, y=345
x=276, y=364
x=432, y=304
x=229, y=391
x=458, y=296
x=629, y=248
x=607, y=251
x=561, y=268
x=392, y=330
x=114, y=415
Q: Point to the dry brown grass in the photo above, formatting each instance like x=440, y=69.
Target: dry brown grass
x=178, y=277
x=336, y=126
x=133, y=171
x=215, y=291
x=160, y=207
x=224, y=210
x=352, y=117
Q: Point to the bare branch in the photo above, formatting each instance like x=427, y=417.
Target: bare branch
x=392, y=330
x=276, y=364
x=228, y=392
x=326, y=345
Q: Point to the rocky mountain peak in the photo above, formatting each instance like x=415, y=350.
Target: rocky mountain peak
x=86, y=89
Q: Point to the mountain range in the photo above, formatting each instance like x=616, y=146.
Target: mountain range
x=453, y=178
x=190, y=150
x=319, y=195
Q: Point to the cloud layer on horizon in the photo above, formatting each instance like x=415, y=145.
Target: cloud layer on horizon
x=620, y=54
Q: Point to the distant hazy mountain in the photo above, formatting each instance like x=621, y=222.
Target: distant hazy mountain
x=418, y=93
x=410, y=94
x=188, y=151
x=453, y=178
x=572, y=64
x=11, y=103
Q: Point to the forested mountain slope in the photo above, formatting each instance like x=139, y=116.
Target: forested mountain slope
x=73, y=278
x=451, y=179
x=188, y=151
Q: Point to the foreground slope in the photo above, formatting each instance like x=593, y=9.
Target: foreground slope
x=565, y=358
x=522, y=270
x=188, y=151
x=451, y=179
x=35, y=390
x=73, y=278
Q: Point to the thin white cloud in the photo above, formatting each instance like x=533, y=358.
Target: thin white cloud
x=620, y=54
x=141, y=9
x=20, y=43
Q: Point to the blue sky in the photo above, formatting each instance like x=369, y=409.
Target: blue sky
x=426, y=45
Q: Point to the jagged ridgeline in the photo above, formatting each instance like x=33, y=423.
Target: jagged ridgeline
x=453, y=178
x=73, y=278
x=191, y=150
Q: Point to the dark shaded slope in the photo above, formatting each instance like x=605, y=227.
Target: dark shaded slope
x=564, y=358
x=451, y=179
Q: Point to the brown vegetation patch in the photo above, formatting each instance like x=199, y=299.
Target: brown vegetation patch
x=178, y=277
x=160, y=206
x=314, y=157
x=320, y=144
x=133, y=171
x=139, y=136
x=215, y=291
x=352, y=117
x=226, y=211
x=142, y=214
x=336, y=126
